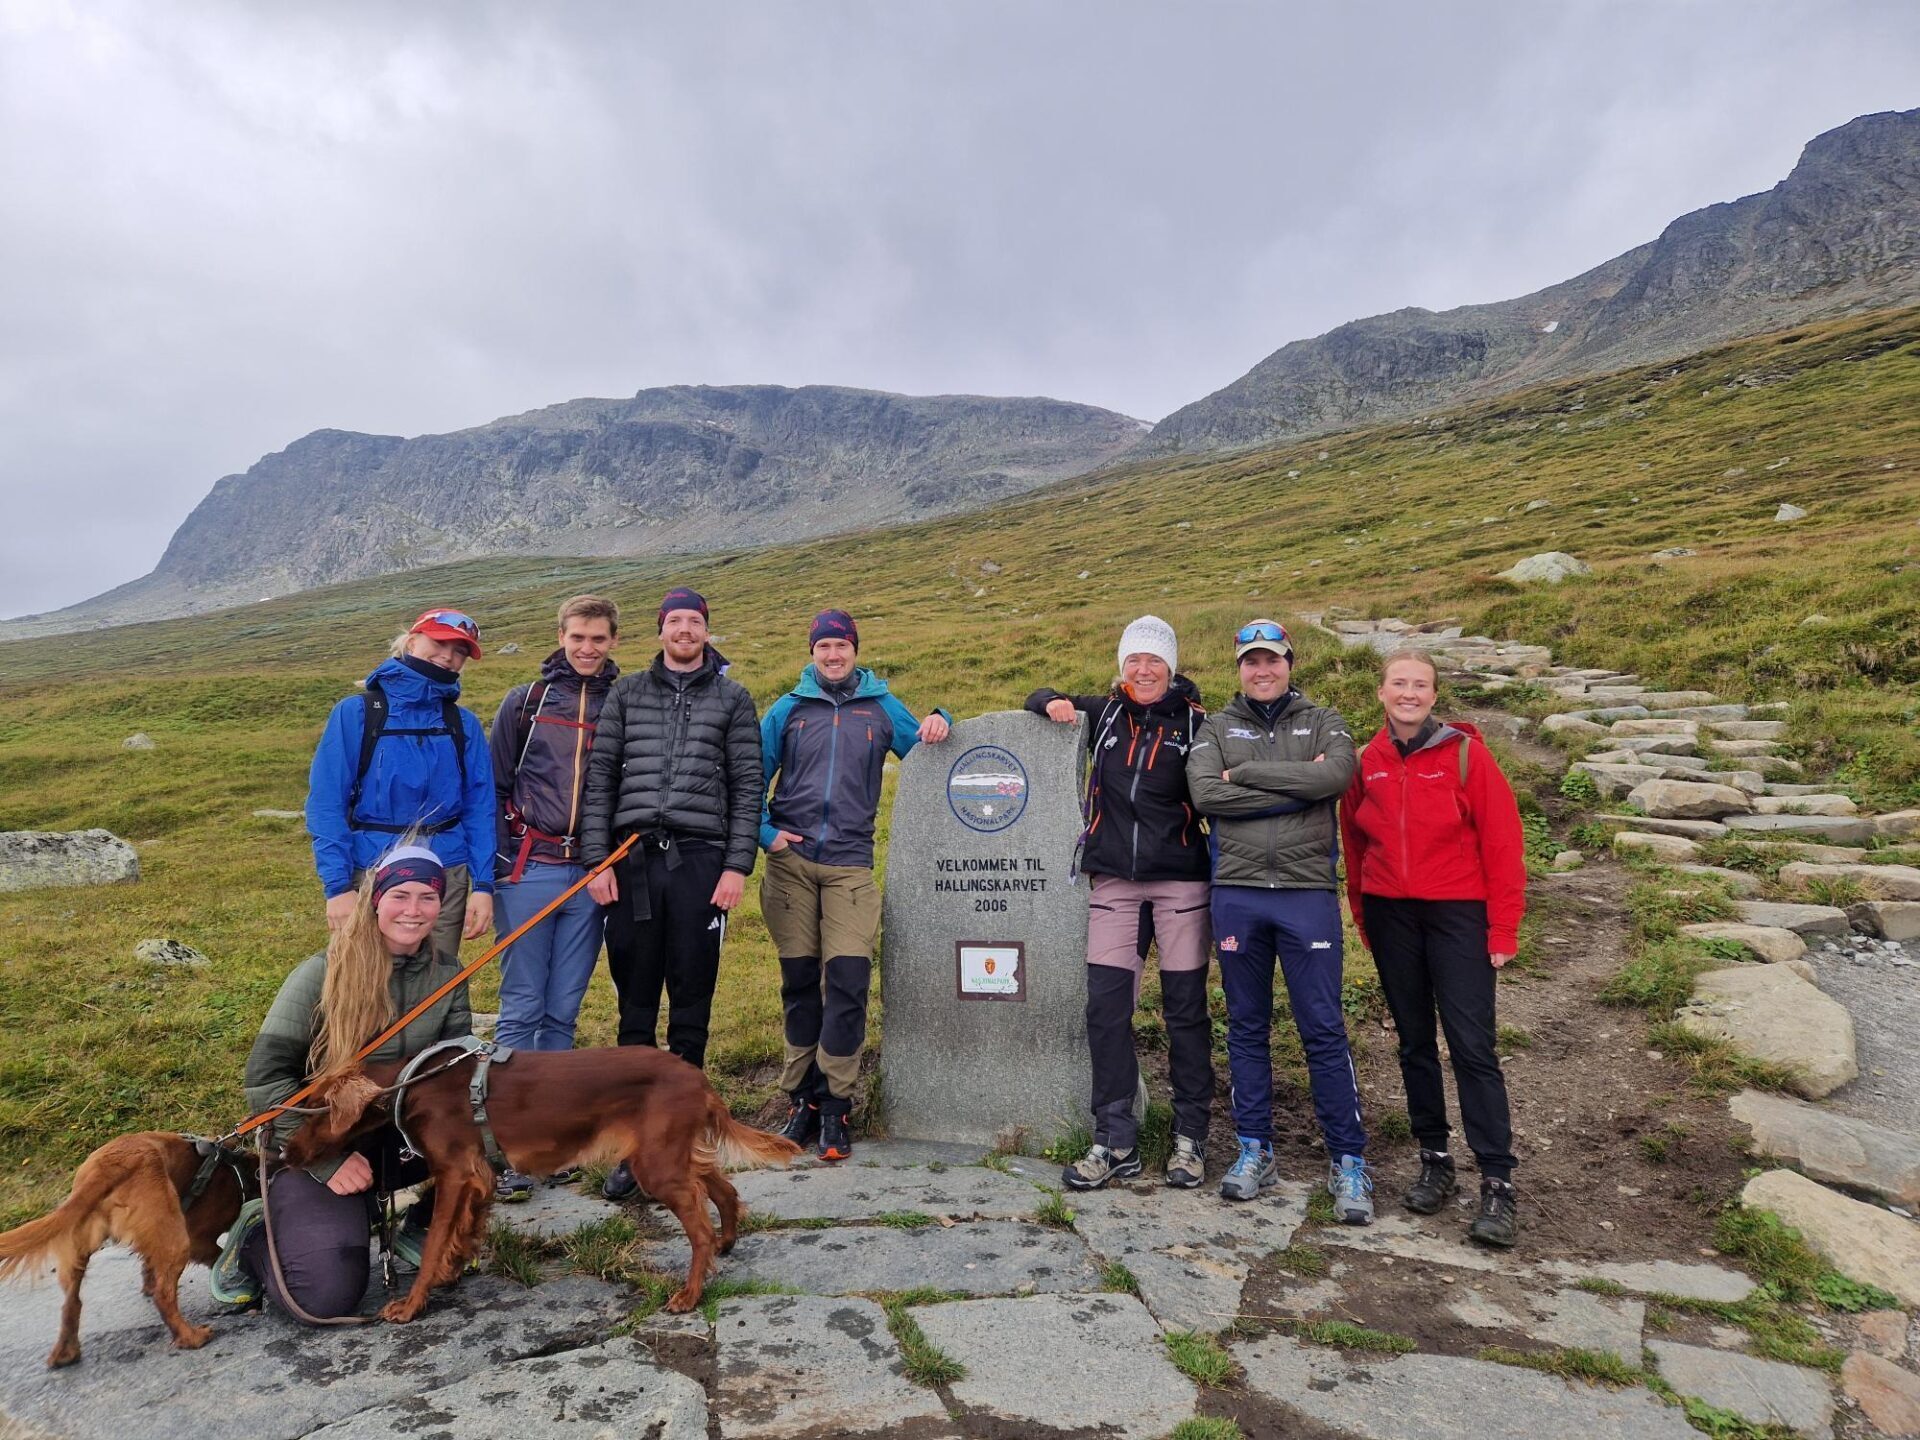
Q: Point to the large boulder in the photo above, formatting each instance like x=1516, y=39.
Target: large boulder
x=1550, y=568
x=1670, y=848
x=1688, y=800
x=43, y=859
x=1888, y=919
x=1832, y=1147
x=1876, y=882
x=1858, y=1239
x=1765, y=942
x=1772, y=1014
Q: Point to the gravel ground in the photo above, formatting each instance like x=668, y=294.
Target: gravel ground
x=1883, y=997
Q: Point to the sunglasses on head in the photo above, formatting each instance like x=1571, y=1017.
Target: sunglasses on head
x=1261, y=630
x=465, y=624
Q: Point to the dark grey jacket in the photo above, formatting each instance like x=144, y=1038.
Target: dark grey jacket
x=676, y=754
x=1272, y=819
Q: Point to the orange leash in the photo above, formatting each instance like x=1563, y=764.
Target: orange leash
x=256, y=1121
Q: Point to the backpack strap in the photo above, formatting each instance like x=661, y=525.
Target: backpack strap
x=373, y=726
x=530, y=706
x=1466, y=746
x=457, y=730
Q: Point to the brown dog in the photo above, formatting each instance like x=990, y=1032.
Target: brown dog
x=549, y=1110
x=131, y=1190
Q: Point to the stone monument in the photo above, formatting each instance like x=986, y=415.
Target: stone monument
x=984, y=946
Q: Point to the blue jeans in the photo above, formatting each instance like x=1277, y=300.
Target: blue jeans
x=544, y=975
x=1302, y=928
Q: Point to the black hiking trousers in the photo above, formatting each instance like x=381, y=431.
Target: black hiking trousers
x=1432, y=956
x=674, y=943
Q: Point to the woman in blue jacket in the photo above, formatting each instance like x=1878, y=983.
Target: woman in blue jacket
x=405, y=758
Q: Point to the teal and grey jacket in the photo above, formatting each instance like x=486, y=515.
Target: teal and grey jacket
x=829, y=744
x=1272, y=817
x=277, y=1065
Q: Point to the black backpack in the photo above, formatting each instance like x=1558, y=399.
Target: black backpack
x=373, y=727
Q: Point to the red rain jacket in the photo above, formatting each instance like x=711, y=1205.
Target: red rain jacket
x=1414, y=831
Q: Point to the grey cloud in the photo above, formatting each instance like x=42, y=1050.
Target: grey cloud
x=226, y=225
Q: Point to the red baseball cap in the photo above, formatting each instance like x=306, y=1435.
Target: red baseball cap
x=450, y=625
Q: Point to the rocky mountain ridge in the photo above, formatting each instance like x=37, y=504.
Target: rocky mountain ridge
x=1840, y=233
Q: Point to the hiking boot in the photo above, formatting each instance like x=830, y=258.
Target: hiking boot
x=1098, y=1166
x=1436, y=1185
x=620, y=1184
x=1498, y=1223
x=510, y=1187
x=835, y=1142
x=232, y=1283
x=1186, y=1167
x=1251, y=1172
x=803, y=1123
x=1351, y=1185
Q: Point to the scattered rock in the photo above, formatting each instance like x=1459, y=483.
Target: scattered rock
x=510, y=648
x=139, y=740
x=1565, y=861
x=1688, y=800
x=1380, y=1397
x=1550, y=568
x=796, y=1365
x=279, y=815
x=1803, y=920
x=1675, y=552
x=1878, y=882
x=1075, y=1363
x=1765, y=1392
x=1887, y=919
x=1772, y=1014
x=1887, y=1395
x=36, y=859
x=1838, y=829
x=990, y=567
x=1815, y=619
x=1829, y=1146
x=1770, y=943
x=1788, y=512
x=1858, y=1239
x=1661, y=847
x=1533, y=505
x=168, y=952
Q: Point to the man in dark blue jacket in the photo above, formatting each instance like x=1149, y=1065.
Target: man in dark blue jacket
x=422, y=766
x=828, y=740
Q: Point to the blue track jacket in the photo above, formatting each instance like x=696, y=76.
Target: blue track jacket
x=830, y=754
x=414, y=779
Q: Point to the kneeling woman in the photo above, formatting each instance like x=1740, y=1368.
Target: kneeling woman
x=1437, y=878
x=1147, y=857
x=377, y=966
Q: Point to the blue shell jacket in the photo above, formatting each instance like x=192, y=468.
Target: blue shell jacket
x=413, y=779
x=830, y=754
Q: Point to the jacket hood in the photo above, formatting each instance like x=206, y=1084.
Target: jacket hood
x=402, y=683
x=555, y=669
x=867, y=685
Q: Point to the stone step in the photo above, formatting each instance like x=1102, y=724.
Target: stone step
x=1689, y=728
x=1878, y=882
x=1897, y=825
x=1784, y=787
x=1772, y=766
x=1670, y=848
x=1606, y=714
x=1835, y=829
x=1675, y=699
x=1656, y=744
x=1570, y=724
x=1833, y=1147
x=1770, y=1013
x=1816, y=804
x=1886, y=919
x=1743, y=748
x=1689, y=800
x=1663, y=1277
x=1792, y=850
x=1663, y=825
x=1859, y=1240
x=1701, y=712
x=1673, y=767
x=1739, y=882
x=1749, y=729
x=1616, y=782
x=1773, y=944
x=1762, y=1392
x=1803, y=920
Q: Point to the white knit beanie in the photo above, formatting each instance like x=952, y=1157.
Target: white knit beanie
x=1150, y=635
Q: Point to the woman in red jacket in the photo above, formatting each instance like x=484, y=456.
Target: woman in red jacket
x=1436, y=876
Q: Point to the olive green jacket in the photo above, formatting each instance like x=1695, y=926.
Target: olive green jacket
x=277, y=1065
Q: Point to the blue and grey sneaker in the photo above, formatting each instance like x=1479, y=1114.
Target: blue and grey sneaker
x=1351, y=1185
x=1251, y=1172
x=232, y=1284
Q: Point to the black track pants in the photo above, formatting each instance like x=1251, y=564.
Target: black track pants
x=677, y=946
x=1432, y=955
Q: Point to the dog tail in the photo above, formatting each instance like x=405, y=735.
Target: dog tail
x=741, y=1147
x=27, y=1246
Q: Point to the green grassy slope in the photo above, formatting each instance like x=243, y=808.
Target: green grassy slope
x=1411, y=519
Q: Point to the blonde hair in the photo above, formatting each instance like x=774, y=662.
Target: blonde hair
x=356, y=998
x=399, y=646
x=1419, y=657
x=591, y=607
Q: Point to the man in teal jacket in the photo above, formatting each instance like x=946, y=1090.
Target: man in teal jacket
x=828, y=739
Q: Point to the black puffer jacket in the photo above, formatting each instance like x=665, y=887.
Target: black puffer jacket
x=1141, y=823
x=678, y=753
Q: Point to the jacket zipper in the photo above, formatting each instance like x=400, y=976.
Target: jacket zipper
x=1133, y=809
x=826, y=795
x=1273, y=828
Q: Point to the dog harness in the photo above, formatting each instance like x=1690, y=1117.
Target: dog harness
x=488, y=1054
x=212, y=1155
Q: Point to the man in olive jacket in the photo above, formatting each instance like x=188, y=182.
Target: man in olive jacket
x=675, y=761
x=1266, y=770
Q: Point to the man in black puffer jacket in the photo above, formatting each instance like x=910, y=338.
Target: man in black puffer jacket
x=676, y=761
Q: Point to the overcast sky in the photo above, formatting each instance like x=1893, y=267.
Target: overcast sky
x=225, y=225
